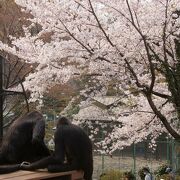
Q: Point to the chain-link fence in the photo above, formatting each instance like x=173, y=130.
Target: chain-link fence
x=137, y=156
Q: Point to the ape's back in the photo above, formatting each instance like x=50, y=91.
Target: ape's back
x=17, y=143
x=20, y=130
x=78, y=146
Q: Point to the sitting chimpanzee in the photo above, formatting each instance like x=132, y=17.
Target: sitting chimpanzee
x=24, y=141
x=73, y=151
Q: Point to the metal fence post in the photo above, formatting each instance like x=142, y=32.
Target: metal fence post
x=173, y=154
x=134, y=158
x=177, y=154
x=167, y=153
x=102, y=162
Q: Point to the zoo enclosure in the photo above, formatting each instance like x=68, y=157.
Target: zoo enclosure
x=139, y=155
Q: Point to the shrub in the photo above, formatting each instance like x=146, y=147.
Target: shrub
x=117, y=175
x=112, y=175
x=161, y=170
x=129, y=175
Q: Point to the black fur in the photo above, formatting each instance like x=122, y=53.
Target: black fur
x=73, y=151
x=24, y=141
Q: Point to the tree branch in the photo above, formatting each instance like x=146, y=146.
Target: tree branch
x=162, y=117
x=99, y=24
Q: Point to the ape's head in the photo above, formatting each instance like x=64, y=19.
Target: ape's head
x=63, y=121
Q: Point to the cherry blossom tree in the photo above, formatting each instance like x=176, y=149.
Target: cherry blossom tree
x=135, y=43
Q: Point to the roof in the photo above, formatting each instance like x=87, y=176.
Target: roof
x=92, y=112
x=107, y=100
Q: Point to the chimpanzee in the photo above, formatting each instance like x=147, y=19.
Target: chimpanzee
x=73, y=151
x=24, y=141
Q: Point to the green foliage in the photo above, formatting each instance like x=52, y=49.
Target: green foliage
x=52, y=104
x=161, y=170
x=129, y=175
x=162, y=174
x=74, y=110
x=117, y=175
x=112, y=175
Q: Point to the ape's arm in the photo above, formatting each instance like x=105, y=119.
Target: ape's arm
x=43, y=163
x=56, y=158
x=38, y=136
x=9, y=168
x=38, y=130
